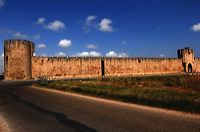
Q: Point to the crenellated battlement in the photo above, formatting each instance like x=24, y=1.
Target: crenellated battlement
x=20, y=41
x=21, y=64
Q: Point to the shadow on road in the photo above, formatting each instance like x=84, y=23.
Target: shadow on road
x=60, y=117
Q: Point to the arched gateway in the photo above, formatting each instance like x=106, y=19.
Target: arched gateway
x=189, y=68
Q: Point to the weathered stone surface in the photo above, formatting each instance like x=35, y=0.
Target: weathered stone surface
x=21, y=64
x=17, y=59
x=141, y=66
x=56, y=68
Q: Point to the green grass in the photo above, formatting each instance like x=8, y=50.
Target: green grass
x=172, y=92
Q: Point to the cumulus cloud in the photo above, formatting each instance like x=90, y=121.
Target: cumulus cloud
x=162, y=55
x=196, y=27
x=41, y=20
x=106, y=25
x=91, y=46
x=41, y=46
x=91, y=18
x=65, y=43
x=114, y=54
x=60, y=54
x=89, y=54
x=111, y=54
x=90, y=23
x=56, y=25
x=20, y=35
x=43, y=55
x=2, y=3
x=17, y=34
x=123, y=55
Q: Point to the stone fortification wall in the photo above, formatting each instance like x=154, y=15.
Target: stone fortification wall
x=197, y=65
x=140, y=66
x=20, y=64
x=57, y=68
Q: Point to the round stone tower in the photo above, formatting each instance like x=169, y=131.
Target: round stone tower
x=18, y=59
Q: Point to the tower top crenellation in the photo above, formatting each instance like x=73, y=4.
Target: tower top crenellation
x=21, y=41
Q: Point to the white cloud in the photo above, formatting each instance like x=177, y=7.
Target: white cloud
x=2, y=2
x=41, y=46
x=41, y=20
x=60, y=54
x=89, y=54
x=64, y=43
x=90, y=23
x=43, y=55
x=106, y=25
x=162, y=55
x=17, y=34
x=114, y=54
x=111, y=54
x=84, y=53
x=20, y=35
x=56, y=25
x=123, y=55
x=91, y=46
x=95, y=54
x=196, y=27
x=91, y=18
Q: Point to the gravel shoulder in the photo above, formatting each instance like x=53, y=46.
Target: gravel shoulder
x=4, y=125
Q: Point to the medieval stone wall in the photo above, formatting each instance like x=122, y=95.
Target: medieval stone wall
x=197, y=65
x=141, y=66
x=20, y=64
x=57, y=68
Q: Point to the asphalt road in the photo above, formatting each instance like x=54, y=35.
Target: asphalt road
x=29, y=109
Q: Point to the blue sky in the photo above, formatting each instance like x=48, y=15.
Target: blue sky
x=138, y=28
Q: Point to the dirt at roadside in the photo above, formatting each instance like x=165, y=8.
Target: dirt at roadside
x=3, y=126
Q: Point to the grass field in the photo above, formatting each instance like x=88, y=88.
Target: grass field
x=172, y=92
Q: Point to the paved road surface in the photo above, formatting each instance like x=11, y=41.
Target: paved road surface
x=30, y=109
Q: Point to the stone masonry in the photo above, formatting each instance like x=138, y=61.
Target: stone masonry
x=20, y=64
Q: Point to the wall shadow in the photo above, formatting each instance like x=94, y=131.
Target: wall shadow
x=60, y=117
